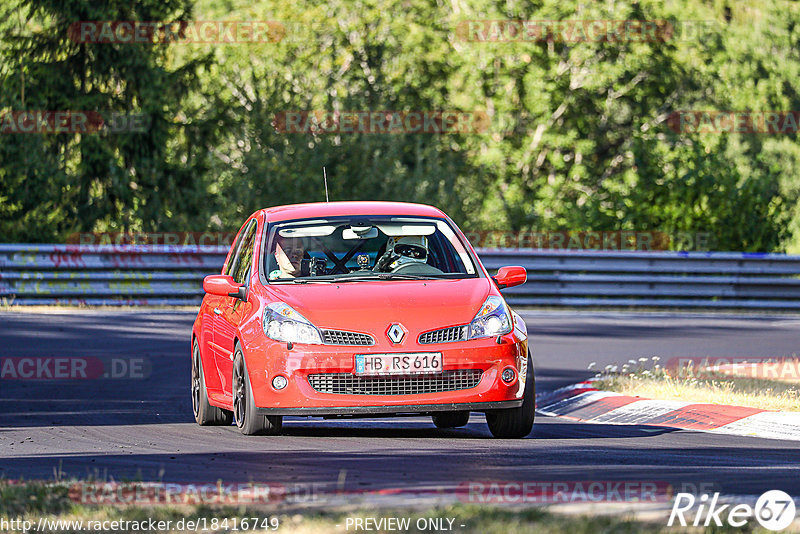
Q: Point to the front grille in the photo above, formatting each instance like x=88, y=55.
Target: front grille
x=340, y=337
x=350, y=384
x=444, y=335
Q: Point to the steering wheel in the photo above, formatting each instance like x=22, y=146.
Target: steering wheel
x=417, y=268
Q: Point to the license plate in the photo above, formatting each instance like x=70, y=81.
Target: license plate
x=399, y=364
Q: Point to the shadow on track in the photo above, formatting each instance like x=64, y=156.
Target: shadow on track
x=730, y=468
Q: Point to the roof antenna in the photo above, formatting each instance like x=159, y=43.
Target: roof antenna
x=325, y=175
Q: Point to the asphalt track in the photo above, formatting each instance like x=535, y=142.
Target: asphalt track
x=142, y=428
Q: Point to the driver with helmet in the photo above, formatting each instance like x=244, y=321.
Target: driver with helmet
x=402, y=252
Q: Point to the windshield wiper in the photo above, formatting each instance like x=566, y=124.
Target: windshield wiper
x=398, y=276
x=384, y=276
x=365, y=276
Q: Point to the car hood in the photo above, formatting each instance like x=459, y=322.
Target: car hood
x=371, y=307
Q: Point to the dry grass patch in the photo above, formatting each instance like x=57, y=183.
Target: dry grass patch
x=747, y=385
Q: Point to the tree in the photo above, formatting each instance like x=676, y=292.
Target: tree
x=58, y=183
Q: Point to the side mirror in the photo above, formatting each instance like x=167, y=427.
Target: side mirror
x=224, y=286
x=510, y=276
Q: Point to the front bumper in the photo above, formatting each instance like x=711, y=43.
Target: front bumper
x=395, y=410
x=300, y=398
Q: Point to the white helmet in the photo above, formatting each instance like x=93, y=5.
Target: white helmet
x=411, y=249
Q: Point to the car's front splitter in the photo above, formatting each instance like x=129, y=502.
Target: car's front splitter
x=391, y=410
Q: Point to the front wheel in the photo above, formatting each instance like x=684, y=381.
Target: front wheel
x=244, y=407
x=516, y=422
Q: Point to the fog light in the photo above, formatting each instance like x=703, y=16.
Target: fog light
x=279, y=382
x=508, y=375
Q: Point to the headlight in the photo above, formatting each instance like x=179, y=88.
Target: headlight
x=283, y=323
x=492, y=319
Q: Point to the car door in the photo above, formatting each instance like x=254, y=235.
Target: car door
x=232, y=309
x=212, y=311
x=208, y=350
x=213, y=304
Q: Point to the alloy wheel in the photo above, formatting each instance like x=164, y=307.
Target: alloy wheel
x=196, y=381
x=240, y=391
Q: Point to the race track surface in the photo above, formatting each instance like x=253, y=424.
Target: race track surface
x=142, y=427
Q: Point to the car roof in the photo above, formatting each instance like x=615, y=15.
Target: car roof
x=333, y=209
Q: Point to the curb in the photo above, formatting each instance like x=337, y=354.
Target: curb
x=582, y=402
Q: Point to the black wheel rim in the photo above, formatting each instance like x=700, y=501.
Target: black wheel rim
x=239, y=392
x=196, y=381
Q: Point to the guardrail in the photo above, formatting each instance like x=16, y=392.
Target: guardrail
x=172, y=275
x=96, y=275
x=652, y=279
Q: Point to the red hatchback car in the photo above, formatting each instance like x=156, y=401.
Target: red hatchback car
x=359, y=308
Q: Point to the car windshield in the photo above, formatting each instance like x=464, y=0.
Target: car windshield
x=359, y=249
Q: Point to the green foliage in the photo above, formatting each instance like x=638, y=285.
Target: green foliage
x=579, y=136
x=56, y=183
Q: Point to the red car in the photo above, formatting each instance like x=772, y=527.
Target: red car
x=359, y=308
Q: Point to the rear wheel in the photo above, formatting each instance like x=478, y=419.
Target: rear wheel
x=204, y=413
x=516, y=422
x=450, y=419
x=244, y=407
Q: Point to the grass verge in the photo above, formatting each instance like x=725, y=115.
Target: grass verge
x=35, y=500
x=707, y=385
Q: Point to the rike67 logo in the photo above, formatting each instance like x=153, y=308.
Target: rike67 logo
x=774, y=510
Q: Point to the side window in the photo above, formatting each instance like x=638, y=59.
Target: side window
x=237, y=244
x=244, y=256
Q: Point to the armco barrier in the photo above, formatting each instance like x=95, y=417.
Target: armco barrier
x=133, y=275
x=172, y=275
x=652, y=279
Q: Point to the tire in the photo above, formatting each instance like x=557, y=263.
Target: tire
x=204, y=413
x=450, y=419
x=244, y=407
x=516, y=422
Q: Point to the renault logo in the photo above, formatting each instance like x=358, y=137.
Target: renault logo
x=396, y=333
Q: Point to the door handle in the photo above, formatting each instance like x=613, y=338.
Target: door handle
x=217, y=311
